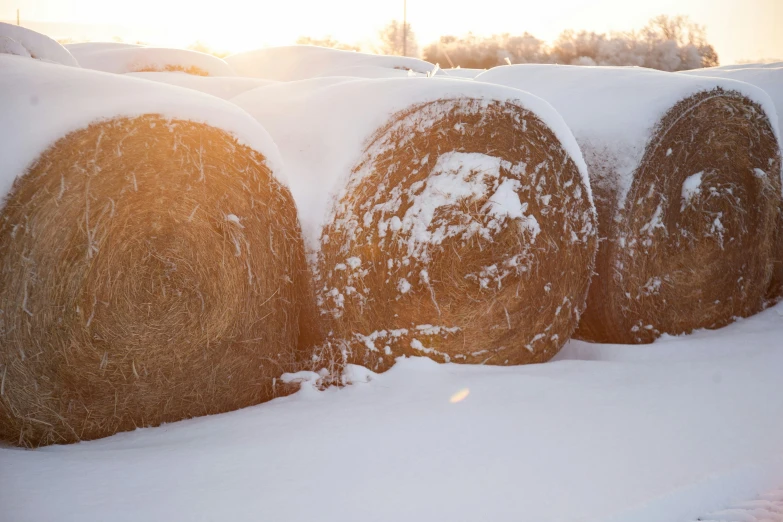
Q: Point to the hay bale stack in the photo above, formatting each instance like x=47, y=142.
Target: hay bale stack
x=19, y=41
x=686, y=177
x=151, y=267
x=301, y=62
x=121, y=60
x=450, y=219
x=770, y=79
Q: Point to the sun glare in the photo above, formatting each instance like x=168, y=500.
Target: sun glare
x=460, y=396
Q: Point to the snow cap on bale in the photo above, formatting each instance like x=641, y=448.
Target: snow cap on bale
x=43, y=98
x=151, y=263
x=445, y=218
x=299, y=62
x=737, y=66
x=372, y=71
x=225, y=87
x=122, y=60
x=16, y=40
x=79, y=49
x=686, y=177
x=771, y=80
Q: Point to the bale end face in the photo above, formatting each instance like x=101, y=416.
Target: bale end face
x=150, y=271
x=692, y=246
x=465, y=235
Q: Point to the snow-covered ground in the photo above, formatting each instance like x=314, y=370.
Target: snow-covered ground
x=767, y=507
x=683, y=429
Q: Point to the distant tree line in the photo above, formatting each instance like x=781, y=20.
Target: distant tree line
x=665, y=43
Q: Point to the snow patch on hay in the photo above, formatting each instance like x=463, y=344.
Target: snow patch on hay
x=456, y=176
x=690, y=187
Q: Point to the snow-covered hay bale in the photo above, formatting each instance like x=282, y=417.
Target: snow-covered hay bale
x=151, y=267
x=686, y=177
x=300, y=62
x=770, y=79
x=451, y=220
x=225, y=87
x=80, y=48
x=19, y=41
x=122, y=60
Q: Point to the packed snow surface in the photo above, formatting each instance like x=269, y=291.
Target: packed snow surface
x=300, y=62
x=138, y=59
x=323, y=125
x=225, y=87
x=41, y=103
x=613, y=111
x=670, y=431
x=37, y=45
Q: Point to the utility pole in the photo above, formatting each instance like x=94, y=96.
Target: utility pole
x=404, y=27
x=17, y=17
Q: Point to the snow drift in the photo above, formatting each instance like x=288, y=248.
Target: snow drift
x=771, y=80
x=686, y=175
x=300, y=62
x=19, y=41
x=446, y=218
x=151, y=265
x=140, y=59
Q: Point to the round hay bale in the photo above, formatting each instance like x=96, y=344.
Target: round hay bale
x=148, y=273
x=123, y=60
x=460, y=228
x=151, y=268
x=686, y=176
x=301, y=62
x=20, y=41
x=769, y=78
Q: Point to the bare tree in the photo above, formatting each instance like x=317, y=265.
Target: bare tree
x=666, y=43
x=477, y=52
x=390, y=40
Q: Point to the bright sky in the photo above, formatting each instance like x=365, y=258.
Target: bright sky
x=739, y=29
